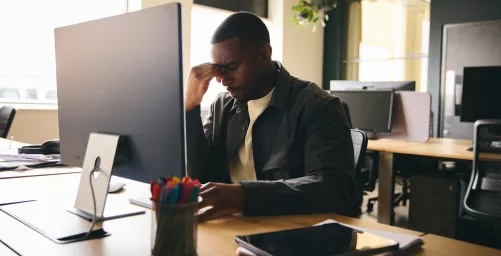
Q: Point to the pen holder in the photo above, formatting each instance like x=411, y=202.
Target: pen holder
x=174, y=229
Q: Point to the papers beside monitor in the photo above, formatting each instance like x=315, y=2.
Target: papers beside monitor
x=22, y=161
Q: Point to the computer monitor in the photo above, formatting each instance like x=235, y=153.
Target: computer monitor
x=370, y=110
x=351, y=85
x=481, y=93
x=123, y=75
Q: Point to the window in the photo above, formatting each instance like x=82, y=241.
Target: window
x=27, y=58
x=388, y=41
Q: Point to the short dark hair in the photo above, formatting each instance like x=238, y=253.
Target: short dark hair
x=248, y=27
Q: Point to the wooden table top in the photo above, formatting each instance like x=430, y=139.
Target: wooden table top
x=6, y=251
x=38, y=172
x=131, y=235
x=438, y=245
x=434, y=147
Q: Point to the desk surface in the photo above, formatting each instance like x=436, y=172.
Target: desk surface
x=38, y=172
x=6, y=251
x=437, y=245
x=435, y=147
x=131, y=235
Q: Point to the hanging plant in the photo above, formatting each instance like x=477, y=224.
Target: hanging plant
x=307, y=13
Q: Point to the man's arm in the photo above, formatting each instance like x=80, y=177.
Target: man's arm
x=199, y=136
x=328, y=184
x=198, y=143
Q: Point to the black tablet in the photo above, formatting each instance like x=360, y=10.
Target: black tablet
x=327, y=239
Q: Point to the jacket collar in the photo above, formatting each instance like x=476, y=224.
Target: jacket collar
x=281, y=93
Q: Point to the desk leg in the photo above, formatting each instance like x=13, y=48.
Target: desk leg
x=386, y=188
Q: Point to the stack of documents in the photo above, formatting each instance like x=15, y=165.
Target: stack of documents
x=22, y=161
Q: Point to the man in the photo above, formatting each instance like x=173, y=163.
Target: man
x=272, y=144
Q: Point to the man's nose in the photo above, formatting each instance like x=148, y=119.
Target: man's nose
x=224, y=79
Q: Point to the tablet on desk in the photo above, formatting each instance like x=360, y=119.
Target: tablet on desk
x=328, y=239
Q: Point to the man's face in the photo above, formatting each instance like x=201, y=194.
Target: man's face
x=239, y=69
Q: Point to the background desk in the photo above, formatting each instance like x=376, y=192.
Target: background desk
x=435, y=147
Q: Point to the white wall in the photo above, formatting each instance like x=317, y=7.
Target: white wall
x=302, y=49
x=186, y=27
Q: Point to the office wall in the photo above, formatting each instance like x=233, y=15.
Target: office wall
x=448, y=12
x=302, y=49
x=186, y=26
x=34, y=126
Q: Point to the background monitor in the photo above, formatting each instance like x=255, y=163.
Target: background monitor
x=370, y=110
x=481, y=97
x=352, y=85
x=123, y=75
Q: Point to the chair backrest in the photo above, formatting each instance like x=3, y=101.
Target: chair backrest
x=359, y=139
x=483, y=195
x=6, y=117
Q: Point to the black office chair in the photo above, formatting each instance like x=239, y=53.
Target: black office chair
x=6, y=117
x=359, y=139
x=482, y=200
x=365, y=177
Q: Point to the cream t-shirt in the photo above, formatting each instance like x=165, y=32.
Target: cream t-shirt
x=242, y=165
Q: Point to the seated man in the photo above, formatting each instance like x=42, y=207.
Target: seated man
x=273, y=144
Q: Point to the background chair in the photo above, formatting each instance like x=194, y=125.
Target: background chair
x=367, y=172
x=6, y=117
x=359, y=139
x=483, y=195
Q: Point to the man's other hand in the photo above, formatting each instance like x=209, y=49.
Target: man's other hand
x=224, y=199
x=198, y=83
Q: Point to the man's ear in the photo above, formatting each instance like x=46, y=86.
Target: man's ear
x=265, y=52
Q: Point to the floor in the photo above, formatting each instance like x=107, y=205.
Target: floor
x=401, y=212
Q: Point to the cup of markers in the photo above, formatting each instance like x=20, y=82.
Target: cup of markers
x=174, y=220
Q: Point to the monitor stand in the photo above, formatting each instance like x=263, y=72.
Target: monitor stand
x=98, y=166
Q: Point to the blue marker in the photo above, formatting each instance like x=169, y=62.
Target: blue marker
x=164, y=195
x=173, y=195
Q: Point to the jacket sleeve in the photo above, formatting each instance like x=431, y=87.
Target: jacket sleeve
x=328, y=184
x=198, y=143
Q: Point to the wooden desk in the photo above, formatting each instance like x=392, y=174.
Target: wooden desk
x=437, y=245
x=38, y=172
x=435, y=147
x=6, y=251
x=131, y=235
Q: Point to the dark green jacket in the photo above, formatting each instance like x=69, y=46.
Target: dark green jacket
x=303, y=151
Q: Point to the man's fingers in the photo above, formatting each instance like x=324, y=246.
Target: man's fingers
x=207, y=186
x=211, y=192
x=206, y=202
x=207, y=215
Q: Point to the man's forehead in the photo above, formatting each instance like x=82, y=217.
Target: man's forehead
x=226, y=51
